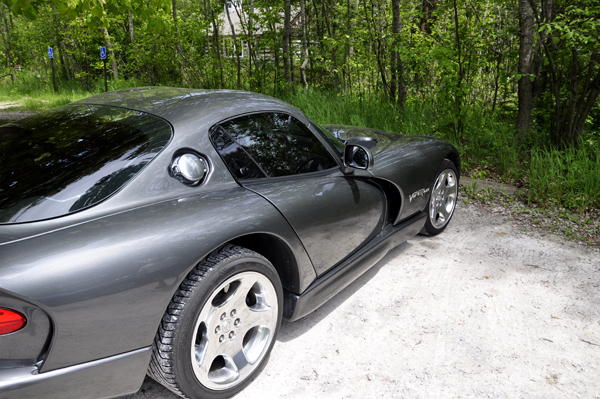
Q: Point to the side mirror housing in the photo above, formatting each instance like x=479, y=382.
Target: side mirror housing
x=357, y=156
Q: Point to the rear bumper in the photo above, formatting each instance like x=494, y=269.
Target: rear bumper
x=106, y=378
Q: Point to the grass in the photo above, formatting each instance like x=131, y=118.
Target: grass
x=569, y=178
x=37, y=94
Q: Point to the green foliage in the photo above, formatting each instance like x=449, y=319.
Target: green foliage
x=96, y=13
x=36, y=93
x=570, y=178
x=457, y=65
x=571, y=67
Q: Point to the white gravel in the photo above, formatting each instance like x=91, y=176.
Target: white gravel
x=483, y=310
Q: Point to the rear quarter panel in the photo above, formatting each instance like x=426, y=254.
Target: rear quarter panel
x=106, y=283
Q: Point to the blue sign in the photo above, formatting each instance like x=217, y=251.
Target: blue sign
x=103, y=53
x=50, y=53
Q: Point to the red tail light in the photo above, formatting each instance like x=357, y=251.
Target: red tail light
x=11, y=321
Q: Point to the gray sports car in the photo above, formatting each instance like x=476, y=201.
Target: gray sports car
x=168, y=231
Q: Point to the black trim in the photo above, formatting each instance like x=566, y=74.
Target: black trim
x=325, y=287
x=314, y=129
x=262, y=180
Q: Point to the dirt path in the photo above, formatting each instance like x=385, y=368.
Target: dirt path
x=483, y=310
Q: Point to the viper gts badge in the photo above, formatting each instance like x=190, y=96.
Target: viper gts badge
x=418, y=193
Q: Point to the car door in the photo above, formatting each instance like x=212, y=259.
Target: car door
x=279, y=158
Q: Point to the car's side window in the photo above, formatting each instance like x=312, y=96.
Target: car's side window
x=235, y=157
x=279, y=145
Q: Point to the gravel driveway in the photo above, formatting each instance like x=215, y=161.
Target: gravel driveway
x=483, y=310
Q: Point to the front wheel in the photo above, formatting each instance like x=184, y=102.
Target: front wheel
x=442, y=200
x=220, y=326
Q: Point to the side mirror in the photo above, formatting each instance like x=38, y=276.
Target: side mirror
x=357, y=156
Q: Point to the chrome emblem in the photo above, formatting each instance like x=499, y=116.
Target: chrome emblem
x=418, y=193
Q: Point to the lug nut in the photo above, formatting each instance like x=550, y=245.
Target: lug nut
x=223, y=316
x=217, y=329
x=233, y=313
x=231, y=335
x=221, y=338
x=237, y=322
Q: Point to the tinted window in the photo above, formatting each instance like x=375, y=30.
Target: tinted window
x=67, y=159
x=238, y=161
x=278, y=143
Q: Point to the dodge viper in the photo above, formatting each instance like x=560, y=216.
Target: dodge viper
x=168, y=232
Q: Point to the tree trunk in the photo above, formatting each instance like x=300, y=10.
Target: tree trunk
x=587, y=100
x=525, y=86
x=275, y=54
x=394, y=53
x=131, y=32
x=458, y=97
x=66, y=55
x=376, y=45
x=247, y=28
x=111, y=53
x=496, y=78
x=178, y=47
x=304, y=46
x=286, y=40
x=5, y=37
x=235, y=48
x=397, y=86
x=331, y=34
x=217, y=43
x=427, y=9
x=12, y=26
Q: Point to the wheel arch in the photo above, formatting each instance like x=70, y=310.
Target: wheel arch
x=278, y=252
x=455, y=159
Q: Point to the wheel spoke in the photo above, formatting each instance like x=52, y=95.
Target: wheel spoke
x=450, y=180
x=255, y=318
x=444, y=213
x=432, y=210
x=207, y=350
x=451, y=202
x=242, y=290
x=227, y=374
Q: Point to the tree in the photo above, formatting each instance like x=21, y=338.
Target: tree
x=525, y=77
x=571, y=42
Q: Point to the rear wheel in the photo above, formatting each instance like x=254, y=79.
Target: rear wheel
x=220, y=327
x=442, y=200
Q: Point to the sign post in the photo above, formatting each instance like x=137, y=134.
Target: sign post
x=51, y=56
x=103, y=57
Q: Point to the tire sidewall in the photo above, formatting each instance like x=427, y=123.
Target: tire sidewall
x=188, y=383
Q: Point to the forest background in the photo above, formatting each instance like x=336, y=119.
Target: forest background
x=514, y=84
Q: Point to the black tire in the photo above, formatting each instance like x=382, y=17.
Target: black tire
x=229, y=307
x=442, y=199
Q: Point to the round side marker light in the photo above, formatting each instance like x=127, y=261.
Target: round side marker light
x=11, y=321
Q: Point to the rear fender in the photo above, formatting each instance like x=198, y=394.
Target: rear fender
x=120, y=272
